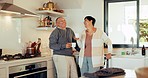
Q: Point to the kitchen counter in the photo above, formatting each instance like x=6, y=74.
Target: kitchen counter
x=129, y=61
x=24, y=61
x=131, y=56
x=129, y=74
x=5, y=65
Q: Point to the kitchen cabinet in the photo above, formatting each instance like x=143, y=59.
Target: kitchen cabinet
x=52, y=14
x=3, y=73
x=8, y=67
x=128, y=62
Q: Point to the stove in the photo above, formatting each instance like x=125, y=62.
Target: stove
x=29, y=70
x=16, y=57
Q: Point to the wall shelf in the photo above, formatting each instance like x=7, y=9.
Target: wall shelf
x=45, y=28
x=49, y=13
x=52, y=13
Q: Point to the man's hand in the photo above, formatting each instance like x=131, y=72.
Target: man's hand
x=108, y=56
x=68, y=45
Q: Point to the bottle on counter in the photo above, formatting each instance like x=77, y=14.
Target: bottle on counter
x=143, y=51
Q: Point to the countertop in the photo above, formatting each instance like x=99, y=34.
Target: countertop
x=23, y=61
x=131, y=56
x=129, y=74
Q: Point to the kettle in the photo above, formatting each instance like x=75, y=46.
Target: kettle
x=49, y=5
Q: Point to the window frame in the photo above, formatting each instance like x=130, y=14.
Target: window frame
x=106, y=2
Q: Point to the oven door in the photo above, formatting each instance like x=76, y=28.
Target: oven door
x=35, y=73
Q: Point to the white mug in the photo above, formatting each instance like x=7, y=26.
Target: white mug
x=73, y=44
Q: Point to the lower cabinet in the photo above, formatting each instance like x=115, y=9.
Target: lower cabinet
x=128, y=63
x=11, y=68
x=3, y=73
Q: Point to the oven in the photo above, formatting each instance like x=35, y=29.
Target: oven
x=33, y=70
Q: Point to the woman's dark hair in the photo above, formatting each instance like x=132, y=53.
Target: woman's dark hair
x=91, y=18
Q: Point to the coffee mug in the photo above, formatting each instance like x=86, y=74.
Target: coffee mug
x=73, y=44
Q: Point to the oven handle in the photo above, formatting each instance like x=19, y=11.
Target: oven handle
x=29, y=74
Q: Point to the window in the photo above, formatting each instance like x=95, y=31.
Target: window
x=143, y=24
x=126, y=22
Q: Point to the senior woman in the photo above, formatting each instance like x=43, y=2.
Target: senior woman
x=92, y=40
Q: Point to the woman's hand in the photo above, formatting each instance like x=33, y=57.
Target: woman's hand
x=76, y=38
x=108, y=56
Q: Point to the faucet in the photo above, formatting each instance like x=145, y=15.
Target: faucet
x=132, y=52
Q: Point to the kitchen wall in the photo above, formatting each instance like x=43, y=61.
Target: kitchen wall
x=74, y=17
x=29, y=32
x=74, y=20
x=10, y=33
x=15, y=33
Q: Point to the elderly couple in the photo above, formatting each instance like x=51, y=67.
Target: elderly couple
x=91, y=42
